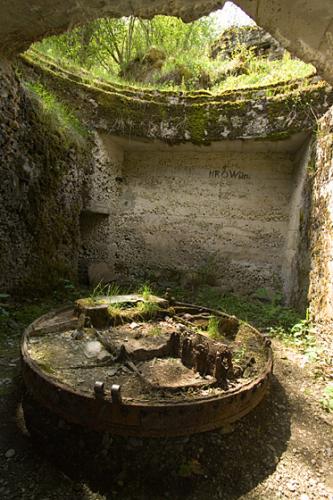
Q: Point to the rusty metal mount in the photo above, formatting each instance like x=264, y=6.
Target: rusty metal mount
x=104, y=413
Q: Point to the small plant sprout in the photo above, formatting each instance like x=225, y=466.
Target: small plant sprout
x=213, y=327
x=146, y=291
x=149, y=309
x=103, y=290
x=98, y=291
x=155, y=330
x=239, y=354
x=112, y=290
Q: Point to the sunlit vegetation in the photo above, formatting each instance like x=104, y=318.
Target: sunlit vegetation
x=56, y=114
x=165, y=53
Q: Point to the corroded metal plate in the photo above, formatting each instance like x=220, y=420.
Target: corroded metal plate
x=165, y=391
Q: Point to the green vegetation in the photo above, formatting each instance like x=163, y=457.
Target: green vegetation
x=272, y=317
x=103, y=290
x=269, y=316
x=146, y=291
x=327, y=400
x=58, y=114
x=122, y=313
x=260, y=71
x=191, y=468
x=263, y=310
x=239, y=355
x=155, y=330
x=165, y=53
x=213, y=328
x=115, y=311
x=111, y=48
x=148, y=309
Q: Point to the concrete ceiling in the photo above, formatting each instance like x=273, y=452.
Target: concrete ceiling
x=304, y=27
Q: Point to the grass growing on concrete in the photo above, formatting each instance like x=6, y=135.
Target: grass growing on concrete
x=270, y=317
x=148, y=309
x=103, y=290
x=57, y=113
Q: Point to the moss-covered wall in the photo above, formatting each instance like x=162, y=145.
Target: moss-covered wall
x=42, y=169
x=321, y=229
x=273, y=112
x=53, y=176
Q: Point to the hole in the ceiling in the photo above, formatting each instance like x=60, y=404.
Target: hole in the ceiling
x=223, y=51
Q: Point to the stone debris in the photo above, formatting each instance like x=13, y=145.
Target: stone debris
x=10, y=453
x=95, y=349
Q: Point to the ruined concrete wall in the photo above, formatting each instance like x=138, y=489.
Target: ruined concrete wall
x=97, y=219
x=65, y=204
x=297, y=259
x=272, y=112
x=321, y=231
x=41, y=172
x=224, y=214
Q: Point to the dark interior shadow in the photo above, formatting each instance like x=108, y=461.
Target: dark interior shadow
x=219, y=464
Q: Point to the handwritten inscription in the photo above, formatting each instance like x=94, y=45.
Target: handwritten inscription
x=228, y=173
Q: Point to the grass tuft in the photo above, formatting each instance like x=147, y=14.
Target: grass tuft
x=213, y=328
x=57, y=114
x=146, y=291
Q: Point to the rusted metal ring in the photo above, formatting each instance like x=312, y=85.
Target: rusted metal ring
x=114, y=414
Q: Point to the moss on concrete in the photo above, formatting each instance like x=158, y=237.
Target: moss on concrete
x=43, y=165
x=273, y=112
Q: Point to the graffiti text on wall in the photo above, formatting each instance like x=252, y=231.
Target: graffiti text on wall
x=228, y=173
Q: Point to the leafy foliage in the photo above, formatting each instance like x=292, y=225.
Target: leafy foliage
x=165, y=52
x=110, y=44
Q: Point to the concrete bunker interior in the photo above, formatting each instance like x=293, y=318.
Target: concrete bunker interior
x=147, y=203
x=192, y=213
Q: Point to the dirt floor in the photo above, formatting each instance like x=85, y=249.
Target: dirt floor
x=283, y=449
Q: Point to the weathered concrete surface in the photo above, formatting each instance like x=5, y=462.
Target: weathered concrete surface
x=321, y=230
x=273, y=112
x=221, y=212
x=296, y=265
x=42, y=175
x=304, y=27
x=100, y=203
x=62, y=210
